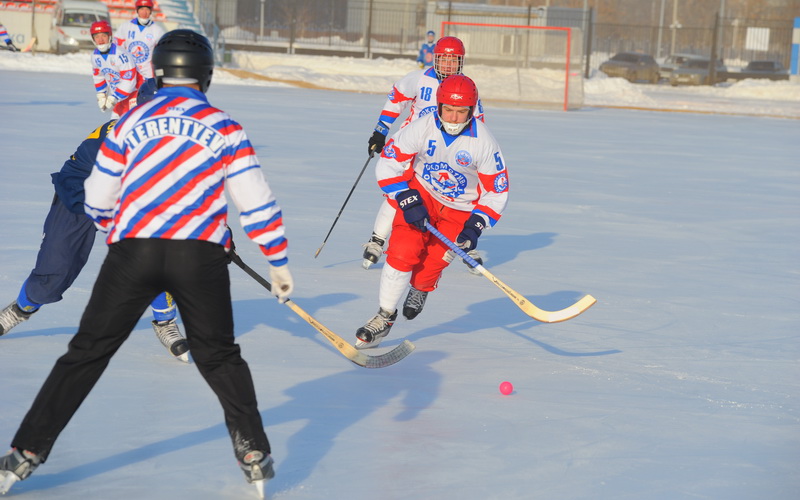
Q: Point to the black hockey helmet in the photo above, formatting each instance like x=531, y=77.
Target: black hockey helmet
x=183, y=56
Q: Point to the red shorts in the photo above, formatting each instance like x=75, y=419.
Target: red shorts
x=422, y=253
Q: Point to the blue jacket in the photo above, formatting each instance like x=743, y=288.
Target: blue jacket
x=69, y=180
x=425, y=56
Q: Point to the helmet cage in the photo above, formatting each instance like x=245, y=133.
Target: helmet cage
x=448, y=57
x=456, y=90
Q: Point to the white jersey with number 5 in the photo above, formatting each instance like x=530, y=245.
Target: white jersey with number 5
x=464, y=172
x=139, y=41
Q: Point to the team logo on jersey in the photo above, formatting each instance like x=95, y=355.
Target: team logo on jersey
x=501, y=183
x=111, y=76
x=140, y=51
x=463, y=158
x=425, y=111
x=444, y=179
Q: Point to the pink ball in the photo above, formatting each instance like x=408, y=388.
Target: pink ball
x=506, y=388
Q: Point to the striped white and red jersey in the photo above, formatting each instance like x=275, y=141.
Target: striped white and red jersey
x=417, y=90
x=114, y=73
x=139, y=41
x=162, y=173
x=466, y=172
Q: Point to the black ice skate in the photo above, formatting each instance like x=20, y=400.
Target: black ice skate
x=257, y=468
x=16, y=466
x=373, y=249
x=415, y=301
x=170, y=336
x=371, y=334
x=11, y=316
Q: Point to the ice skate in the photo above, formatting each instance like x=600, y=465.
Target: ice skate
x=373, y=249
x=257, y=468
x=170, y=336
x=11, y=316
x=16, y=466
x=371, y=334
x=415, y=301
x=475, y=256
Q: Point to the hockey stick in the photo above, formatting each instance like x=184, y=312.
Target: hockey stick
x=531, y=310
x=350, y=352
x=345, y=202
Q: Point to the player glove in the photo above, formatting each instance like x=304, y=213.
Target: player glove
x=282, y=282
x=11, y=46
x=378, y=139
x=111, y=101
x=468, y=237
x=101, y=102
x=414, y=211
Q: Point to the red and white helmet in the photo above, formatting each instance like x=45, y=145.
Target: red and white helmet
x=101, y=27
x=457, y=90
x=144, y=3
x=448, y=57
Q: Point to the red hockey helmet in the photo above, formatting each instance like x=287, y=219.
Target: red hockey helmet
x=144, y=3
x=100, y=27
x=457, y=90
x=448, y=57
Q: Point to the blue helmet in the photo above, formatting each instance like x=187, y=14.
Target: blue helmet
x=431, y=33
x=147, y=91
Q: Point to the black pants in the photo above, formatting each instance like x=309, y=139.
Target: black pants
x=133, y=274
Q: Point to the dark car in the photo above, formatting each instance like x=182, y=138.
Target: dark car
x=772, y=70
x=675, y=61
x=632, y=66
x=696, y=72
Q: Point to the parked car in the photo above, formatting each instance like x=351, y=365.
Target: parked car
x=696, y=72
x=632, y=66
x=772, y=70
x=674, y=61
x=71, y=24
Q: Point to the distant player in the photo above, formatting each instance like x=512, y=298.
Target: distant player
x=4, y=36
x=445, y=168
x=416, y=92
x=425, y=57
x=139, y=36
x=113, y=71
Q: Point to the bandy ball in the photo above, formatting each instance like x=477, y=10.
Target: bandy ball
x=506, y=388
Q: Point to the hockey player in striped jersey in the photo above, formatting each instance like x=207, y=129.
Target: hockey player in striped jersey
x=7, y=39
x=416, y=93
x=67, y=241
x=445, y=168
x=139, y=35
x=113, y=71
x=158, y=186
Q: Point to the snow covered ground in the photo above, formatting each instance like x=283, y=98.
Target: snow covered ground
x=682, y=382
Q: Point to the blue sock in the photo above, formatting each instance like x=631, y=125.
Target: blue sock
x=164, y=307
x=24, y=302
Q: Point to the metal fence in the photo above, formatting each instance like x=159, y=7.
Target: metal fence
x=383, y=28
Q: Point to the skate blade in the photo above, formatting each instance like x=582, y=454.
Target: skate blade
x=260, y=487
x=360, y=344
x=183, y=357
x=366, y=264
x=7, y=480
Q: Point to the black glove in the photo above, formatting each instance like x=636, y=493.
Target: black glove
x=468, y=237
x=11, y=46
x=414, y=211
x=376, y=143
